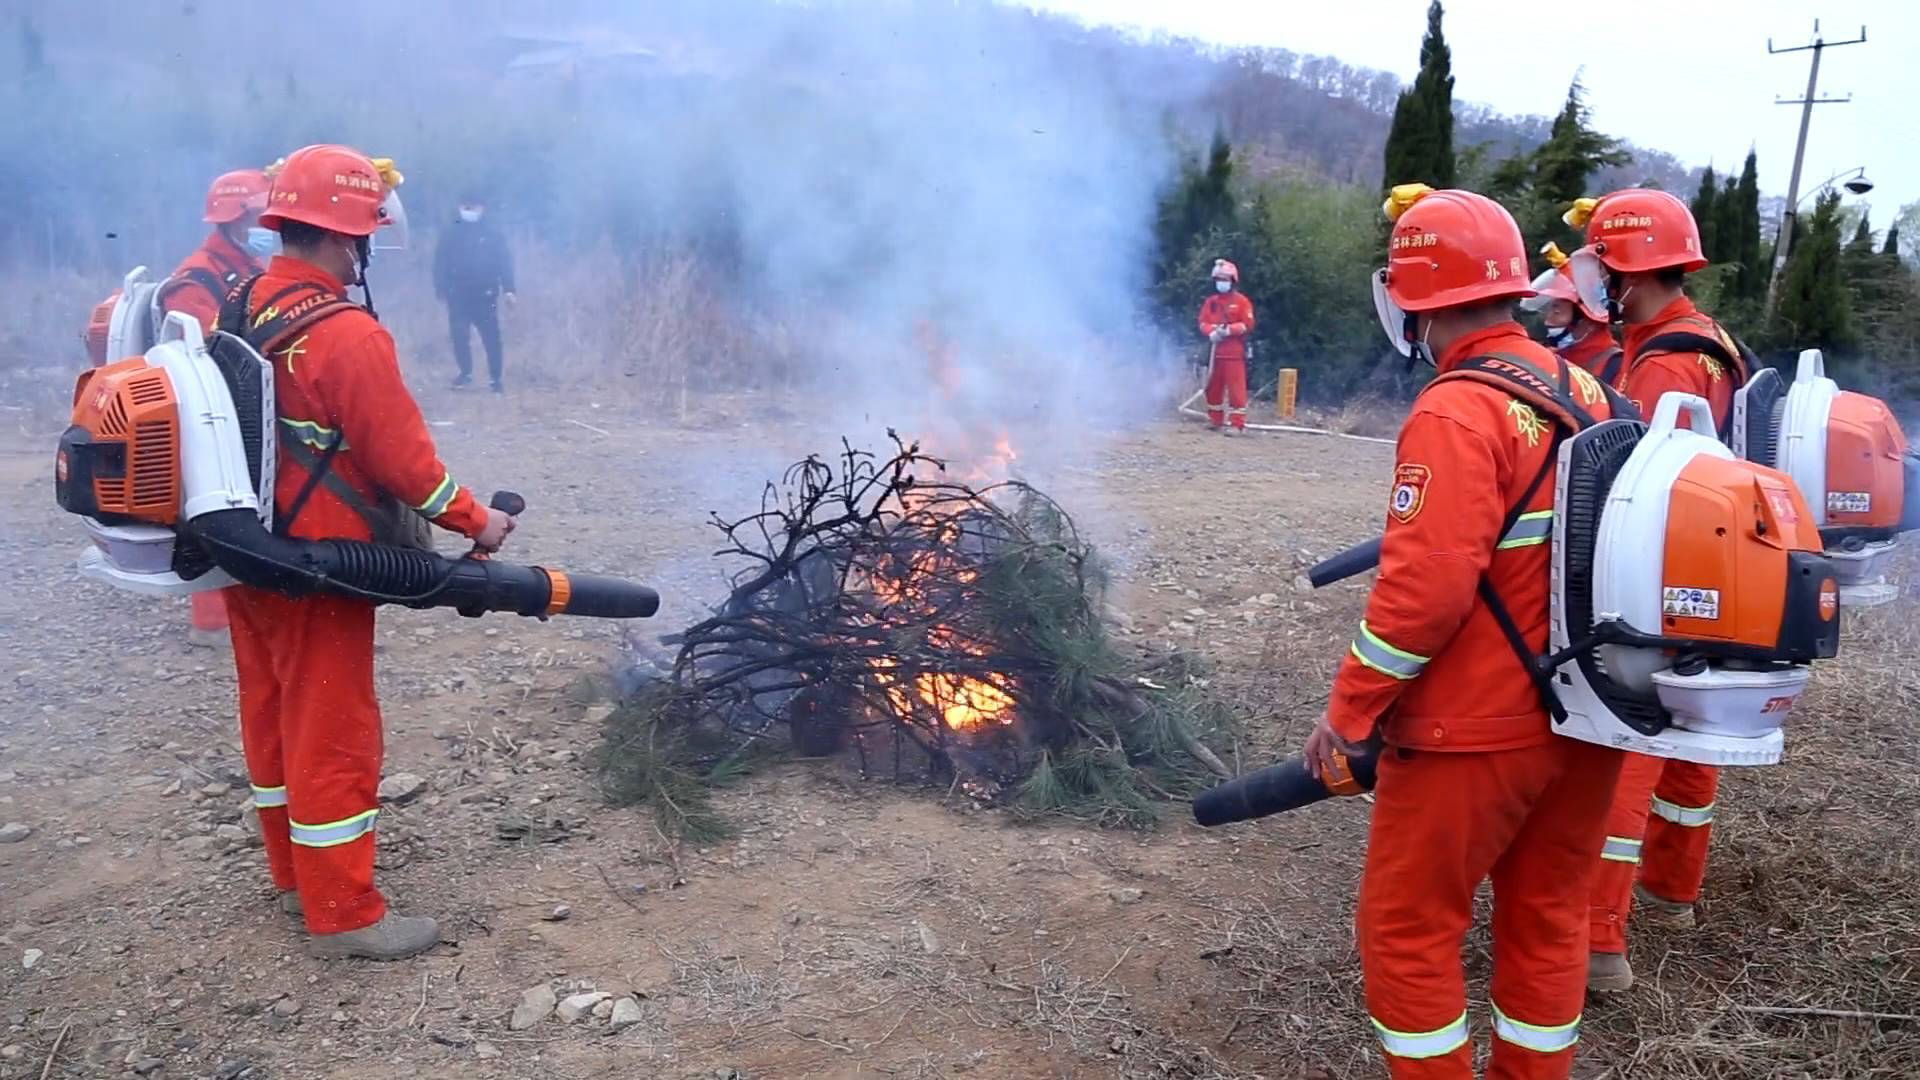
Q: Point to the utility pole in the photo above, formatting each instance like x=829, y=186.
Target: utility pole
x=1784, y=242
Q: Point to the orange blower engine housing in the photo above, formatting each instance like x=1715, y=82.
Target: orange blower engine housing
x=99, y=324
x=127, y=416
x=1847, y=454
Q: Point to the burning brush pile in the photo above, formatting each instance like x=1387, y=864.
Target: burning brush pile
x=923, y=630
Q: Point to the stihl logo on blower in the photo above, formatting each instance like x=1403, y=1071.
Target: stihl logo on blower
x=170, y=460
x=1849, y=458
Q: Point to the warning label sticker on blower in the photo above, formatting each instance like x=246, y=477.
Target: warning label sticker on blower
x=1849, y=502
x=1685, y=603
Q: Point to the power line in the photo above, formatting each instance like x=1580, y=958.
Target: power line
x=1784, y=243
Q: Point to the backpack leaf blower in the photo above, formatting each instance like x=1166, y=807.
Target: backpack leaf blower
x=1850, y=459
x=1689, y=592
x=170, y=461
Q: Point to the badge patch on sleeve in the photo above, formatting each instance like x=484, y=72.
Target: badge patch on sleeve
x=1409, y=491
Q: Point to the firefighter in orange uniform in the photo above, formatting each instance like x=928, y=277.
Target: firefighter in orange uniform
x=1226, y=318
x=1472, y=782
x=309, y=717
x=1641, y=244
x=229, y=255
x=1577, y=333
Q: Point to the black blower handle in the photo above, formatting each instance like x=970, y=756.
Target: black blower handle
x=510, y=503
x=1357, y=559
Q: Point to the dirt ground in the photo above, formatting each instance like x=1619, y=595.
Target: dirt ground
x=853, y=929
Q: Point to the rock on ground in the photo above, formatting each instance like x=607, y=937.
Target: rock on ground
x=626, y=1014
x=579, y=1005
x=13, y=832
x=535, y=1004
x=401, y=787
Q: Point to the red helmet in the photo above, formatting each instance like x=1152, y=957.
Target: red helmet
x=334, y=188
x=236, y=194
x=1639, y=230
x=1557, y=283
x=1451, y=248
x=1224, y=269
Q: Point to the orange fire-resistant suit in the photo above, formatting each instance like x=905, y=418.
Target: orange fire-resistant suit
x=1668, y=853
x=198, y=286
x=309, y=719
x=1227, y=381
x=1472, y=782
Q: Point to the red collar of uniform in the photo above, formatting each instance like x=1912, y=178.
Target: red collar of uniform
x=229, y=255
x=286, y=266
x=1496, y=338
x=1598, y=342
x=1639, y=333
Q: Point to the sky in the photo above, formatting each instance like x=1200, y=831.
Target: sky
x=1690, y=77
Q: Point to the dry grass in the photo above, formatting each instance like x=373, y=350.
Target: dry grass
x=1812, y=903
x=656, y=330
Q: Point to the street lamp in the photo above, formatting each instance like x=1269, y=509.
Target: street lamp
x=1855, y=181
x=1857, y=184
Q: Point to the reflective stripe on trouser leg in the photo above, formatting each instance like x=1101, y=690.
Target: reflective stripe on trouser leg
x=269, y=796
x=1423, y=1044
x=344, y=831
x=1372, y=650
x=1544, y=1040
x=1530, y=529
x=1691, y=817
x=1621, y=849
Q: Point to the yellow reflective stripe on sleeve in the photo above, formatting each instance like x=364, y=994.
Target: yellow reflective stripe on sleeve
x=1545, y=1040
x=1621, y=849
x=1370, y=650
x=315, y=435
x=269, y=796
x=1691, y=817
x=1423, y=1044
x=333, y=833
x=1531, y=529
x=441, y=498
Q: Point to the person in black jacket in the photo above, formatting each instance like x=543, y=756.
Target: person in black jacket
x=473, y=273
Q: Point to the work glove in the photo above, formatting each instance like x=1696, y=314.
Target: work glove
x=1219, y=334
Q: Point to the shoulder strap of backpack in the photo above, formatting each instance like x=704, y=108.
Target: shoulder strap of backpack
x=1564, y=399
x=262, y=331
x=1610, y=367
x=288, y=312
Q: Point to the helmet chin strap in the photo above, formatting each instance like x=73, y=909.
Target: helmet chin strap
x=363, y=254
x=1616, y=300
x=1419, y=351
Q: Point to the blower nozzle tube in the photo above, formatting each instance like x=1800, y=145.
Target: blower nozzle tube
x=382, y=573
x=1279, y=788
x=1357, y=559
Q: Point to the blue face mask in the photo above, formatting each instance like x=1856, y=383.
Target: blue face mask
x=1559, y=337
x=1222, y=285
x=263, y=242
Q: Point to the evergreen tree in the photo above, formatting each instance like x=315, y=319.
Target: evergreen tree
x=1892, y=246
x=1862, y=242
x=1752, y=280
x=1815, y=306
x=1725, y=250
x=1573, y=152
x=1704, y=215
x=1200, y=206
x=1420, y=140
